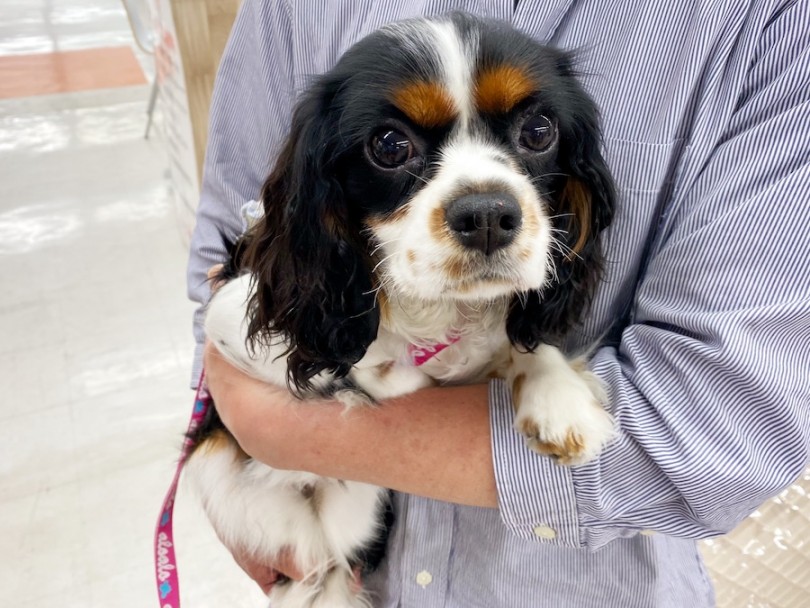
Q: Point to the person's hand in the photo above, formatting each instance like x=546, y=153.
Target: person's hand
x=283, y=568
x=266, y=575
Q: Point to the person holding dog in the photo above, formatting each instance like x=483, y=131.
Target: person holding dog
x=701, y=326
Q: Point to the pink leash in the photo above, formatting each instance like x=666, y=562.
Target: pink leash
x=166, y=577
x=168, y=583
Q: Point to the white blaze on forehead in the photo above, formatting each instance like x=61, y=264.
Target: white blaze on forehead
x=472, y=160
x=457, y=61
x=454, y=56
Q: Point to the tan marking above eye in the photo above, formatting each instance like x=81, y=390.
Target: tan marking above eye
x=500, y=88
x=428, y=104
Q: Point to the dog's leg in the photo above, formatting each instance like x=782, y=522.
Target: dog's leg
x=261, y=511
x=558, y=405
x=348, y=513
x=336, y=588
x=226, y=327
x=340, y=591
x=253, y=507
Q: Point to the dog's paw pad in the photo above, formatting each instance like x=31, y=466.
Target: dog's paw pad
x=567, y=442
x=570, y=450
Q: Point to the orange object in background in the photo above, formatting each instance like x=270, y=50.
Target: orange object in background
x=69, y=71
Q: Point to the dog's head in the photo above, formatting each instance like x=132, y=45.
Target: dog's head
x=450, y=158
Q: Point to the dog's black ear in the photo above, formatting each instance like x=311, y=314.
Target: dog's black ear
x=313, y=282
x=583, y=206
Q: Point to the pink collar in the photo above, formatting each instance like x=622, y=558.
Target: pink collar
x=421, y=354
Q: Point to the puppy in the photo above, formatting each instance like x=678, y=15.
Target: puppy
x=433, y=218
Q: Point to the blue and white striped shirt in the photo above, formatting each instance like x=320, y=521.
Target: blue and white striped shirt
x=706, y=303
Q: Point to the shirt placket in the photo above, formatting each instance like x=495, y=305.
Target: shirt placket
x=426, y=553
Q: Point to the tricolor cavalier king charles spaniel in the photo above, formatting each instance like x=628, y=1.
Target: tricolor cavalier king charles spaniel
x=433, y=218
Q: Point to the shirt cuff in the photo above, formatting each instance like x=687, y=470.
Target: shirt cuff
x=536, y=497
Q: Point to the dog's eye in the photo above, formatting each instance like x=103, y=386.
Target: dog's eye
x=391, y=148
x=537, y=133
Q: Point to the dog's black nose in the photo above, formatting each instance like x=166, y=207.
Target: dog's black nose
x=486, y=222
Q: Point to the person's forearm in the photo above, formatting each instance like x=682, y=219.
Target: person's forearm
x=433, y=443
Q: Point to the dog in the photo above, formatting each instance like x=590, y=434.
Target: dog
x=434, y=217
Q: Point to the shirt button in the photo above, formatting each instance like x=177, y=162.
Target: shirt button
x=424, y=578
x=647, y=532
x=545, y=532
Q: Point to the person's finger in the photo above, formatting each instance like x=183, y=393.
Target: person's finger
x=286, y=564
x=357, y=581
x=265, y=576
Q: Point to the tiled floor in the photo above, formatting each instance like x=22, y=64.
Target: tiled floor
x=95, y=340
x=68, y=71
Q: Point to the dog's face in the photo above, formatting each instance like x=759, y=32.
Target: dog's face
x=455, y=158
x=448, y=158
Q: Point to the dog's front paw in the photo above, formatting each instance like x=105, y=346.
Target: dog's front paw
x=337, y=588
x=563, y=418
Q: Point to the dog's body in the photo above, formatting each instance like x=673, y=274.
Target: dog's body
x=433, y=219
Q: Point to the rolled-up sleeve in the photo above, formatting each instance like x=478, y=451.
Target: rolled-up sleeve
x=535, y=495
x=710, y=384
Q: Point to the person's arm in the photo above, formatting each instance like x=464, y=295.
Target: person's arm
x=249, y=118
x=433, y=443
x=709, y=386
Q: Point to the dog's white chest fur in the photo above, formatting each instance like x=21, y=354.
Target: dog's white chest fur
x=479, y=344
x=466, y=349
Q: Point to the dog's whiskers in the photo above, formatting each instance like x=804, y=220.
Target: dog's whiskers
x=564, y=249
x=383, y=261
x=419, y=177
x=546, y=175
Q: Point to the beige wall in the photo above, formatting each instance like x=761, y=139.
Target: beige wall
x=202, y=28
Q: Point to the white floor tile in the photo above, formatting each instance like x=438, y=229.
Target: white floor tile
x=95, y=340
